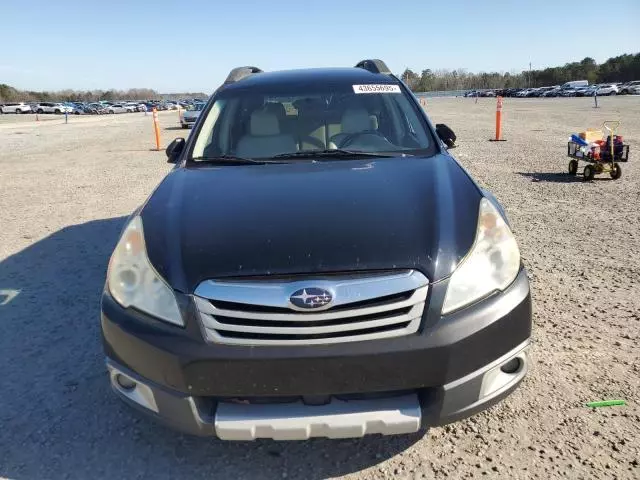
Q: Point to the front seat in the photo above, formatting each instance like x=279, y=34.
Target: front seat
x=354, y=120
x=264, y=138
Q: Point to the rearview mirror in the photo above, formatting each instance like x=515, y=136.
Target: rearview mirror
x=446, y=135
x=174, y=149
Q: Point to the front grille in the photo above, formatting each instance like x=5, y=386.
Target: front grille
x=259, y=312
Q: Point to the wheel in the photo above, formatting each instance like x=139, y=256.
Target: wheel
x=613, y=93
x=573, y=167
x=184, y=125
x=57, y=111
x=18, y=111
x=616, y=173
x=588, y=173
x=40, y=111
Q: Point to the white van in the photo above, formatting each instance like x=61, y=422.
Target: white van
x=575, y=84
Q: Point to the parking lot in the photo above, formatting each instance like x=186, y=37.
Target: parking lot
x=66, y=189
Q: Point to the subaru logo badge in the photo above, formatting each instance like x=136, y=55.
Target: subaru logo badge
x=310, y=298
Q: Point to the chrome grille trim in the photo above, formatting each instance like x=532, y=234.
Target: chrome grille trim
x=390, y=319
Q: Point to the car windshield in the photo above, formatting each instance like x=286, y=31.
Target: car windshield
x=197, y=107
x=251, y=123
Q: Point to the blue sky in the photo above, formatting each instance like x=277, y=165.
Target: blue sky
x=191, y=45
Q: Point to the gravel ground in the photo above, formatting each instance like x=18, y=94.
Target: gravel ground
x=66, y=189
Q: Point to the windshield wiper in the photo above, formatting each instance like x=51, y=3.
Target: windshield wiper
x=335, y=153
x=231, y=160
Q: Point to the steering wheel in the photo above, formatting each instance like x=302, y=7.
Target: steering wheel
x=349, y=138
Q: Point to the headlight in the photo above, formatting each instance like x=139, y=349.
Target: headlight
x=133, y=282
x=492, y=263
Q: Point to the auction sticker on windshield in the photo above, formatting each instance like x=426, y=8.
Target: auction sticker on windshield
x=380, y=88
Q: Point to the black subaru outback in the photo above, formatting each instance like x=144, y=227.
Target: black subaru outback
x=317, y=264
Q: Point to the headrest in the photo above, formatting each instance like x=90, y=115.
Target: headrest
x=355, y=120
x=264, y=123
x=277, y=109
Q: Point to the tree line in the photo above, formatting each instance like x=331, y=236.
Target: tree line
x=11, y=94
x=622, y=68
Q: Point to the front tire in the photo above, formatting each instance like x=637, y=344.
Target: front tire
x=57, y=111
x=40, y=111
x=588, y=173
x=616, y=173
x=573, y=167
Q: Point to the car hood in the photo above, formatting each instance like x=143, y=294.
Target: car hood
x=302, y=218
x=191, y=114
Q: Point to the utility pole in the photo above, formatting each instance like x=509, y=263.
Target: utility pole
x=529, y=74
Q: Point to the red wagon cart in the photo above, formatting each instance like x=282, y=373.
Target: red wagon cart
x=601, y=156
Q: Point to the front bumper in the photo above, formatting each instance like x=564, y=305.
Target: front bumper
x=453, y=367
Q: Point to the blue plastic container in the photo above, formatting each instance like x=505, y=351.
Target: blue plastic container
x=576, y=139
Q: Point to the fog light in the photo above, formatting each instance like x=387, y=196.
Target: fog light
x=512, y=366
x=125, y=382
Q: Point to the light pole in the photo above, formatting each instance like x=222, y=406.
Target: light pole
x=529, y=74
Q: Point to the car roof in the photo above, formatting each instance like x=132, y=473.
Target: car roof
x=353, y=76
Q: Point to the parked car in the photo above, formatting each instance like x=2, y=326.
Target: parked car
x=138, y=106
x=130, y=106
x=53, y=107
x=151, y=105
x=552, y=92
x=540, y=92
x=567, y=92
x=98, y=108
x=575, y=84
x=117, y=108
x=608, y=89
x=626, y=88
x=20, y=107
x=579, y=92
x=190, y=116
x=81, y=110
x=242, y=300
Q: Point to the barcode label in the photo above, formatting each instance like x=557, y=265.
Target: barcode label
x=379, y=88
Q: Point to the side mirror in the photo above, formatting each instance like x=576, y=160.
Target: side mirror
x=174, y=149
x=446, y=135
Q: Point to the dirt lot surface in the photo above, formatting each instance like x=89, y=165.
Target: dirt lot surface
x=66, y=189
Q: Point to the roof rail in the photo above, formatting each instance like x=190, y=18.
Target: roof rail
x=374, y=66
x=239, y=73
